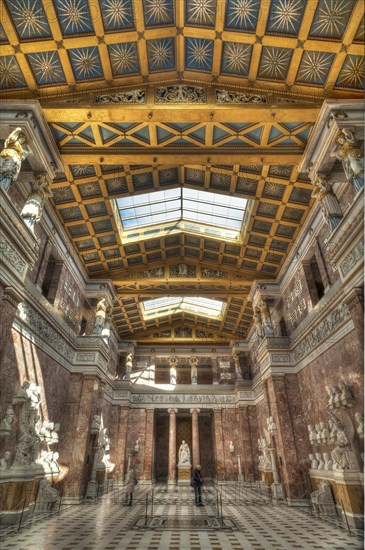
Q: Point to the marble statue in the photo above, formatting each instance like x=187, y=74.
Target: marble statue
x=33, y=208
x=106, y=329
x=95, y=424
x=332, y=432
x=173, y=374
x=266, y=319
x=360, y=424
x=137, y=446
x=193, y=361
x=11, y=157
x=237, y=366
x=100, y=316
x=330, y=206
x=5, y=425
x=4, y=461
x=328, y=463
x=47, y=495
x=349, y=152
x=258, y=324
x=264, y=457
x=231, y=447
x=324, y=433
x=341, y=453
x=320, y=461
x=271, y=425
x=184, y=454
x=314, y=461
x=322, y=500
x=128, y=366
x=312, y=434
x=331, y=397
x=318, y=433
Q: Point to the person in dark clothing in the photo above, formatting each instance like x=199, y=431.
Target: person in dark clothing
x=197, y=484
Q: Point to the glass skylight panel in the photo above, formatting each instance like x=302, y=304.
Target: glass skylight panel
x=205, y=307
x=200, y=207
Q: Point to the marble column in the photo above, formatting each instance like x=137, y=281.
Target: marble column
x=195, y=436
x=121, y=445
x=215, y=370
x=149, y=447
x=248, y=468
x=355, y=303
x=172, y=447
x=219, y=449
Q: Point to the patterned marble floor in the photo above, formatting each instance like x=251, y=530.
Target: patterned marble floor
x=108, y=525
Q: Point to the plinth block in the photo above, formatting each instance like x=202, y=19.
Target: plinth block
x=183, y=474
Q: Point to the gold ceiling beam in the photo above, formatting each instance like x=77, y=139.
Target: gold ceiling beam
x=208, y=113
x=172, y=157
x=209, y=292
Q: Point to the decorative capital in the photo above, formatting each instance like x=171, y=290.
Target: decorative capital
x=172, y=411
x=195, y=411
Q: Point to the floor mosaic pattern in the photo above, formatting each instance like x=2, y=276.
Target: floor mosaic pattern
x=108, y=525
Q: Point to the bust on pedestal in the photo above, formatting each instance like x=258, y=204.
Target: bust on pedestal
x=184, y=464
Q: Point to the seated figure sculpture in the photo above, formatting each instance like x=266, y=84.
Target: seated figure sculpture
x=184, y=454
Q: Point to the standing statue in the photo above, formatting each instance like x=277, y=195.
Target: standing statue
x=5, y=425
x=173, y=374
x=33, y=208
x=194, y=369
x=237, y=366
x=4, y=461
x=128, y=366
x=257, y=324
x=11, y=157
x=105, y=331
x=266, y=319
x=360, y=424
x=100, y=316
x=349, y=152
x=330, y=206
x=184, y=454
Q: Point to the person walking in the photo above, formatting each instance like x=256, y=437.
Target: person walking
x=197, y=484
x=131, y=483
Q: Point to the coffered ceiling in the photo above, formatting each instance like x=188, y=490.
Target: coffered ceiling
x=213, y=95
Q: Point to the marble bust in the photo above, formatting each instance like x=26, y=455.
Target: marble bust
x=184, y=454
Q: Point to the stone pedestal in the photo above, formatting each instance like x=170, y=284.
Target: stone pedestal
x=183, y=475
x=267, y=477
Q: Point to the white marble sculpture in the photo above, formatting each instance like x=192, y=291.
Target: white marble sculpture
x=128, y=366
x=106, y=329
x=47, y=496
x=95, y=424
x=237, y=366
x=137, y=446
x=318, y=433
x=34, y=206
x=173, y=372
x=320, y=461
x=328, y=463
x=330, y=206
x=324, y=432
x=184, y=454
x=322, y=500
x=193, y=361
x=313, y=461
x=11, y=157
x=312, y=434
x=266, y=319
x=332, y=432
x=345, y=396
x=259, y=331
x=349, y=152
x=271, y=425
x=100, y=316
x=231, y=447
x=264, y=456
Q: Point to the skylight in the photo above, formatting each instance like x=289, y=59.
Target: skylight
x=201, y=207
x=205, y=307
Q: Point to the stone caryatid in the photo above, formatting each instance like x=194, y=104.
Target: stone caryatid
x=5, y=460
x=237, y=366
x=100, y=316
x=128, y=365
x=266, y=318
x=259, y=331
x=11, y=157
x=193, y=361
x=184, y=454
x=173, y=361
x=34, y=206
x=349, y=152
x=330, y=206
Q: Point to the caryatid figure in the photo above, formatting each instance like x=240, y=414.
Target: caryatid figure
x=100, y=316
x=349, y=152
x=128, y=365
x=173, y=365
x=34, y=206
x=330, y=206
x=193, y=361
x=11, y=157
x=237, y=366
x=266, y=318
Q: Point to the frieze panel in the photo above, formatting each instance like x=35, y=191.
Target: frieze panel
x=8, y=253
x=213, y=273
x=278, y=358
x=180, y=94
x=223, y=96
x=166, y=399
x=322, y=331
x=42, y=328
x=85, y=357
x=182, y=270
x=353, y=257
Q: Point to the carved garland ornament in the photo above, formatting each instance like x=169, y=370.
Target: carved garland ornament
x=9, y=253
